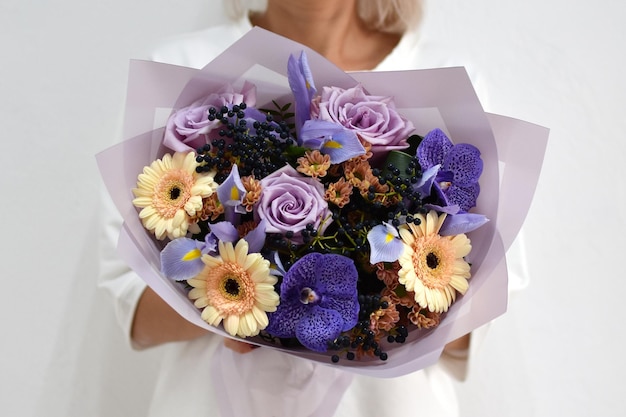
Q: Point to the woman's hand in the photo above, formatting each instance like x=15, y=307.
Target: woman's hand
x=239, y=347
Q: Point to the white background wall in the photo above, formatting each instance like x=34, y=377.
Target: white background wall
x=558, y=63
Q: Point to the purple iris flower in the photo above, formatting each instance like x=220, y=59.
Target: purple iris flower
x=331, y=139
x=318, y=300
x=301, y=83
x=385, y=243
x=456, y=181
x=231, y=193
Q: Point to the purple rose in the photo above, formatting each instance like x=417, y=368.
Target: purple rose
x=188, y=128
x=290, y=201
x=373, y=118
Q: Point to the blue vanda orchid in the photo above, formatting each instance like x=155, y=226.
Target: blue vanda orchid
x=231, y=194
x=181, y=259
x=331, y=139
x=318, y=300
x=301, y=83
x=456, y=180
x=385, y=243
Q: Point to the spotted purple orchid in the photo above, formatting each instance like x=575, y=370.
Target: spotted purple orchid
x=318, y=300
x=456, y=181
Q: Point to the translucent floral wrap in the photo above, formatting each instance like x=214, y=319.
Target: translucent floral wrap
x=443, y=98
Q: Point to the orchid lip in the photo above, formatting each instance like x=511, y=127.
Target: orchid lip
x=308, y=296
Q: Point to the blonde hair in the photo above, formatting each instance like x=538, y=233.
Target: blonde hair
x=389, y=16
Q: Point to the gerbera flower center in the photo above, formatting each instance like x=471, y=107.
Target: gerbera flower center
x=172, y=192
x=231, y=287
x=432, y=260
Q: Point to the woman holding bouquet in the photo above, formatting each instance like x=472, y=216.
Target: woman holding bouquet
x=354, y=35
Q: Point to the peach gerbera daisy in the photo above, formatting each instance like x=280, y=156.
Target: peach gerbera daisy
x=237, y=288
x=170, y=192
x=433, y=266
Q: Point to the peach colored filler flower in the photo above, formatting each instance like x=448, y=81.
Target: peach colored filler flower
x=237, y=288
x=244, y=228
x=423, y=318
x=432, y=266
x=253, y=192
x=384, y=318
x=338, y=193
x=359, y=174
x=170, y=192
x=398, y=295
x=314, y=164
x=388, y=272
x=211, y=208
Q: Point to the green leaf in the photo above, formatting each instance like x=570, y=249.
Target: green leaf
x=399, y=160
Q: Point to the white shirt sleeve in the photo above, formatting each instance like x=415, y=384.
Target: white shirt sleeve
x=115, y=277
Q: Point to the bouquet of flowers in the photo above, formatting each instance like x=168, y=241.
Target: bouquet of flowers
x=330, y=215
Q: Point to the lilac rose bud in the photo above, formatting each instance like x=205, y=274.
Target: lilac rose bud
x=290, y=201
x=373, y=118
x=189, y=128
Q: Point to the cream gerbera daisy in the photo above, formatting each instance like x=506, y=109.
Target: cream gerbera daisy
x=432, y=266
x=170, y=192
x=235, y=287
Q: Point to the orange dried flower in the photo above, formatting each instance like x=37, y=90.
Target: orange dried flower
x=314, y=164
x=253, y=192
x=339, y=193
x=211, y=208
x=399, y=295
x=423, y=318
x=388, y=272
x=384, y=318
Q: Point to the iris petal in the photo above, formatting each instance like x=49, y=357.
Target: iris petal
x=231, y=192
x=225, y=232
x=301, y=83
x=331, y=139
x=181, y=259
x=385, y=245
x=462, y=223
x=256, y=237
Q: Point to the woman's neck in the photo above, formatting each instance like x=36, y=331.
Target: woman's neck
x=329, y=27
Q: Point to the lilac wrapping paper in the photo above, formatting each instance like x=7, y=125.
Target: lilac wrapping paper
x=512, y=152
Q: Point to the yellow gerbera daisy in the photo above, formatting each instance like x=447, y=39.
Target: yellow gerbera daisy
x=432, y=266
x=170, y=192
x=235, y=287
